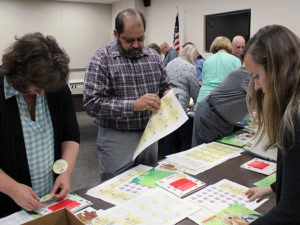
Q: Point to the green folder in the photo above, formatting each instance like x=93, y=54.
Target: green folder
x=228, y=140
x=267, y=181
x=150, y=177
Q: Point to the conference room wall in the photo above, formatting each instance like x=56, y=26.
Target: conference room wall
x=125, y=4
x=118, y=7
x=80, y=28
x=161, y=14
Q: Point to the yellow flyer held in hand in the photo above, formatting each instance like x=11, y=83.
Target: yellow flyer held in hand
x=168, y=118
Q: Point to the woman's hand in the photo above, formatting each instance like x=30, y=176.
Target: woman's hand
x=69, y=153
x=62, y=182
x=259, y=193
x=25, y=197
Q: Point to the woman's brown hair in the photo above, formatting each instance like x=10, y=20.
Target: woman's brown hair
x=35, y=59
x=277, y=49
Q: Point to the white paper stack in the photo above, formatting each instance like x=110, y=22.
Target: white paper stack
x=204, y=157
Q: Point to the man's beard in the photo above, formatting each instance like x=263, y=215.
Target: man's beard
x=131, y=53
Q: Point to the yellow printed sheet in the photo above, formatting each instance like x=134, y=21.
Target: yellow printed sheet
x=168, y=118
x=120, y=188
x=204, y=157
x=154, y=207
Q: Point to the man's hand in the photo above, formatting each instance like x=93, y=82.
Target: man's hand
x=25, y=197
x=166, y=92
x=259, y=193
x=147, y=102
x=62, y=182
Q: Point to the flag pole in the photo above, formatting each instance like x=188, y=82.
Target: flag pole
x=176, y=32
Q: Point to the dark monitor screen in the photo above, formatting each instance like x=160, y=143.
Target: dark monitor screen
x=227, y=24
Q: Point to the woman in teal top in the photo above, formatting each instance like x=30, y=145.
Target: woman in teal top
x=217, y=66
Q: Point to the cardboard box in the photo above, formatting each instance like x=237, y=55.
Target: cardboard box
x=59, y=217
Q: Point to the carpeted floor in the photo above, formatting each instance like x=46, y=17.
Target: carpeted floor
x=86, y=169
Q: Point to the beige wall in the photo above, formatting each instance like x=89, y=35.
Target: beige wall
x=80, y=28
x=118, y=7
x=125, y=4
x=161, y=17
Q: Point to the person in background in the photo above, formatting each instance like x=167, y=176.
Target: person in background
x=38, y=123
x=272, y=58
x=199, y=63
x=188, y=43
x=182, y=74
x=238, y=44
x=217, y=66
x=155, y=47
x=226, y=104
x=169, y=53
x=123, y=85
x=199, y=66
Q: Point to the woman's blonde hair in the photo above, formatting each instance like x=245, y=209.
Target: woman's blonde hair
x=221, y=42
x=277, y=49
x=189, y=53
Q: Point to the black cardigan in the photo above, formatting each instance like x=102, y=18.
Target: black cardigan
x=13, y=159
x=286, y=187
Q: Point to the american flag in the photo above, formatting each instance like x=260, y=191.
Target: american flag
x=176, y=35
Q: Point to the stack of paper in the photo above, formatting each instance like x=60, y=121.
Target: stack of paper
x=204, y=157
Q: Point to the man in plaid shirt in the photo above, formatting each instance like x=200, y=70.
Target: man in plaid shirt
x=123, y=85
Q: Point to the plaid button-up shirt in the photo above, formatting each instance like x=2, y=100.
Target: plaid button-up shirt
x=113, y=82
